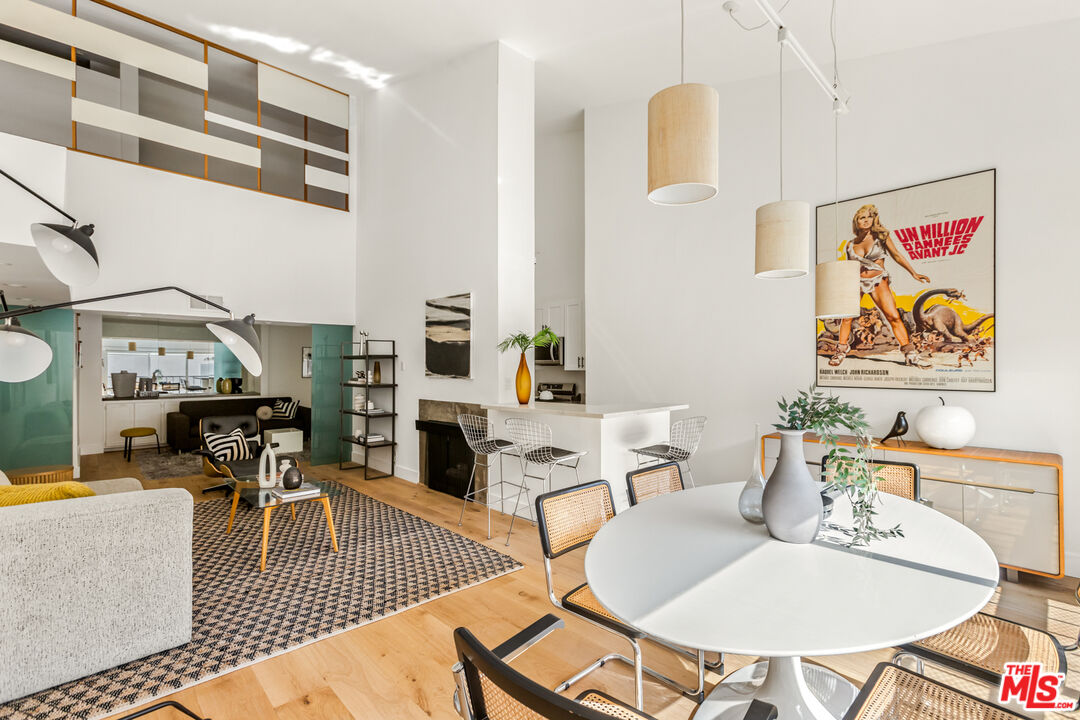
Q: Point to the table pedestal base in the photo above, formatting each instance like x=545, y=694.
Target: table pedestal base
x=799, y=692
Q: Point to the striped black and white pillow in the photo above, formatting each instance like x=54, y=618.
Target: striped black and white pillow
x=285, y=410
x=232, y=446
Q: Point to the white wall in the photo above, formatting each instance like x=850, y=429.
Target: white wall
x=429, y=213
x=281, y=259
x=281, y=361
x=730, y=345
x=560, y=228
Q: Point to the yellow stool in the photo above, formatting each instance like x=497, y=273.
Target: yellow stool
x=129, y=434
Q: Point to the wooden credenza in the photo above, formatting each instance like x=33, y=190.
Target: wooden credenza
x=1010, y=498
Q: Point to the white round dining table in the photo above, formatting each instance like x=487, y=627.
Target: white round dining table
x=686, y=568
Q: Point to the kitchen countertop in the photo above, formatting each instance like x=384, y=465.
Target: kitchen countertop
x=582, y=410
x=180, y=395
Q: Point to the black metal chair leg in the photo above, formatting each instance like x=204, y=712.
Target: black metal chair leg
x=154, y=708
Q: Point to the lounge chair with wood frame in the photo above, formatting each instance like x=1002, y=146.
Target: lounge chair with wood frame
x=568, y=519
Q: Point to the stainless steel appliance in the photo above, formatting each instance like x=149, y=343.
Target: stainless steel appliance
x=561, y=392
x=550, y=355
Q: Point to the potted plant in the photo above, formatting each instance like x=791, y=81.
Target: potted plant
x=791, y=502
x=524, y=342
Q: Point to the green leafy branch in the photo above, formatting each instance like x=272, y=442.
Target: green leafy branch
x=524, y=342
x=850, y=471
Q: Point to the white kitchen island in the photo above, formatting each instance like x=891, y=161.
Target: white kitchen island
x=607, y=432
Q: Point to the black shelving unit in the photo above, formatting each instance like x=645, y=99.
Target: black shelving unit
x=347, y=411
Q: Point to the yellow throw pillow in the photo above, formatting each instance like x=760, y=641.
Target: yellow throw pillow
x=42, y=492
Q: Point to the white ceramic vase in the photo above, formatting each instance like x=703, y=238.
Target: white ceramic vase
x=791, y=502
x=947, y=427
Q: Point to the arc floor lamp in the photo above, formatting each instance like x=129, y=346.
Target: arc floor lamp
x=23, y=355
x=68, y=252
x=70, y=256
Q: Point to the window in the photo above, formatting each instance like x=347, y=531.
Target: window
x=172, y=371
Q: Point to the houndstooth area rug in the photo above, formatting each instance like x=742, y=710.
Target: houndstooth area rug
x=167, y=464
x=388, y=561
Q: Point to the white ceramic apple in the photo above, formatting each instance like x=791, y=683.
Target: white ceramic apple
x=947, y=427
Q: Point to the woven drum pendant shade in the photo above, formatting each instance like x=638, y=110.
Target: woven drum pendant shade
x=684, y=144
x=782, y=248
x=836, y=290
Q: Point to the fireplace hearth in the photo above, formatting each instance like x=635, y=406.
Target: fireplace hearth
x=445, y=457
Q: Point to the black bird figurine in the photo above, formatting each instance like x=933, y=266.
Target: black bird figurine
x=899, y=429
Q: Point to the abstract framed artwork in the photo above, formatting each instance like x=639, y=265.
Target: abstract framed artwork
x=448, y=336
x=927, y=287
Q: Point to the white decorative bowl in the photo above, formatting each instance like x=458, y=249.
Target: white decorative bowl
x=947, y=427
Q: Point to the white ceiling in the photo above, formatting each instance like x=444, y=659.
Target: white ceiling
x=588, y=52
x=24, y=278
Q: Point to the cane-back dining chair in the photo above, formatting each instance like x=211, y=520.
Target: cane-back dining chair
x=568, y=520
x=653, y=480
x=683, y=442
x=489, y=689
x=1075, y=645
x=895, y=478
x=981, y=645
x=895, y=693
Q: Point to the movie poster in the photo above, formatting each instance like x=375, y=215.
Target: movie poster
x=926, y=284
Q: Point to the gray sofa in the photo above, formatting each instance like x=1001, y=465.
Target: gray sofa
x=90, y=583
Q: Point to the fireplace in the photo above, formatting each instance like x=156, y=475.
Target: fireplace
x=449, y=459
x=445, y=457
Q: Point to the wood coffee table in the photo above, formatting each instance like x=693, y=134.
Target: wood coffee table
x=262, y=498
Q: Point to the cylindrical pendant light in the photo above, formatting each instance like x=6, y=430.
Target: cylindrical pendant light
x=190, y=354
x=782, y=233
x=131, y=346
x=782, y=246
x=684, y=139
x=836, y=290
x=160, y=350
x=684, y=144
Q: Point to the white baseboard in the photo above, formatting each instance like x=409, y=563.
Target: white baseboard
x=383, y=465
x=91, y=449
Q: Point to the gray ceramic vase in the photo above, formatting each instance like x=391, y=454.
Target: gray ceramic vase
x=792, y=501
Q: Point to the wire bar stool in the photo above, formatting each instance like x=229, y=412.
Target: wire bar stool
x=480, y=435
x=533, y=440
x=683, y=443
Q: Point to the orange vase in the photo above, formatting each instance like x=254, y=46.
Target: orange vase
x=524, y=382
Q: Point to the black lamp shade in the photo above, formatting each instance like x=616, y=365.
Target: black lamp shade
x=67, y=251
x=23, y=355
x=241, y=339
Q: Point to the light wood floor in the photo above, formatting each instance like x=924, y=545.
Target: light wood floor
x=399, y=668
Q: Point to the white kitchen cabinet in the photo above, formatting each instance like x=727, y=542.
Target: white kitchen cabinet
x=118, y=416
x=1010, y=498
x=123, y=414
x=574, y=331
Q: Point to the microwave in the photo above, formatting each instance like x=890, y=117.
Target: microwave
x=550, y=355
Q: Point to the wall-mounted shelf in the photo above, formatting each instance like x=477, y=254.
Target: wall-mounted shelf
x=346, y=410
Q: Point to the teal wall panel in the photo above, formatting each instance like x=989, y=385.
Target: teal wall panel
x=226, y=365
x=36, y=416
x=326, y=343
